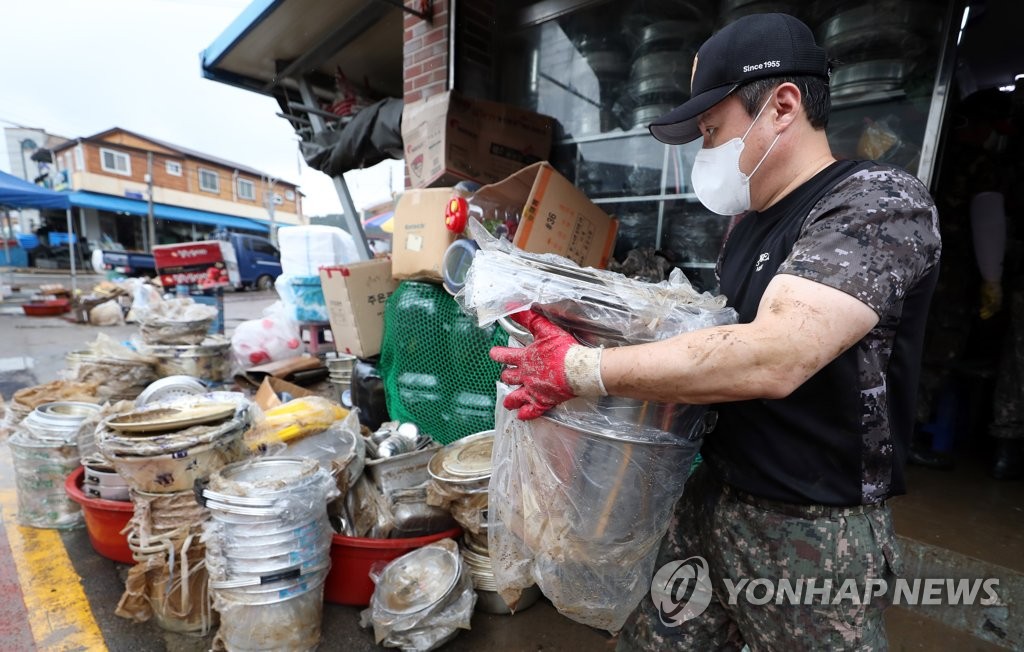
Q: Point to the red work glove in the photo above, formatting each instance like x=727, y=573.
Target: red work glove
x=539, y=367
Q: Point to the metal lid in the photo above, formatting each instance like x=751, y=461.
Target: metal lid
x=70, y=410
x=417, y=580
x=466, y=460
x=169, y=388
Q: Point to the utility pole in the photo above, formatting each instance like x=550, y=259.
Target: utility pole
x=268, y=195
x=150, y=221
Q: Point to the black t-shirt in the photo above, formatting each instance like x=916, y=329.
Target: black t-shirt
x=841, y=438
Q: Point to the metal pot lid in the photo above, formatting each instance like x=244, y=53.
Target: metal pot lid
x=463, y=461
x=170, y=387
x=68, y=410
x=270, y=474
x=417, y=580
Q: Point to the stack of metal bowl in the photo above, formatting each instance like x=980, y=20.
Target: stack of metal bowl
x=341, y=367
x=459, y=475
x=268, y=551
x=45, y=451
x=161, y=450
x=102, y=481
x=208, y=360
x=422, y=598
x=659, y=78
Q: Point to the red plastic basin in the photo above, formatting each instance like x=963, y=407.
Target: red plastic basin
x=349, y=581
x=47, y=308
x=104, y=519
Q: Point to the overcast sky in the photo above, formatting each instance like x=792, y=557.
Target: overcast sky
x=79, y=67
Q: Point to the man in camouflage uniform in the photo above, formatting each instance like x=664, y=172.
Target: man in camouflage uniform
x=830, y=271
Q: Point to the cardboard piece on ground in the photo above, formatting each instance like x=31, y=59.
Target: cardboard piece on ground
x=448, y=138
x=304, y=368
x=268, y=395
x=355, y=296
x=420, y=237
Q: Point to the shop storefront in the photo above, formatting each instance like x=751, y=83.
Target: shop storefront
x=604, y=70
x=914, y=84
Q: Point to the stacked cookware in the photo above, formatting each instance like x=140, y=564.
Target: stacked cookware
x=877, y=45
x=45, y=451
x=268, y=551
x=161, y=450
x=459, y=475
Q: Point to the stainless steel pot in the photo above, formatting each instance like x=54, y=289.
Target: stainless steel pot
x=615, y=497
x=661, y=72
x=890, y=28
x=856, y=79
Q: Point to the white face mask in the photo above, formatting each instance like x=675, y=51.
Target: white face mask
x=717, y=179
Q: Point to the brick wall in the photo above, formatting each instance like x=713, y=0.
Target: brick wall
x=425, y=49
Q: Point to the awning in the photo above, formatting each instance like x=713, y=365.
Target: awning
x=380, y=225
x=273, y=41
x=162, y=211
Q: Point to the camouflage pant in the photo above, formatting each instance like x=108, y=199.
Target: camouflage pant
x=745, y=537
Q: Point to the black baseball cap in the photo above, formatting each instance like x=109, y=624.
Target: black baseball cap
x=752, y=47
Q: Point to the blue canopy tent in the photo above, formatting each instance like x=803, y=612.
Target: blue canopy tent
x=18, y=193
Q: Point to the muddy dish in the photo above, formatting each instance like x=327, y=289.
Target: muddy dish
x=417, y=581
x=465, y=461
x=162, y=419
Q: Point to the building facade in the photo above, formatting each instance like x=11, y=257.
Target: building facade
x=117, y=178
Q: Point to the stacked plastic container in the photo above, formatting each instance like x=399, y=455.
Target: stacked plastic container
x=304, y=250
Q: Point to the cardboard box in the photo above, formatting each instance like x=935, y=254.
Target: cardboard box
x=268, y=395
x=355, y=296
x=419, y=237
x=448, y=138
x=556, y=216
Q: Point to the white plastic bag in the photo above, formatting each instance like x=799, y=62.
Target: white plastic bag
x=273, y=337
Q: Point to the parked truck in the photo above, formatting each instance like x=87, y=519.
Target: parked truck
x=250, y=261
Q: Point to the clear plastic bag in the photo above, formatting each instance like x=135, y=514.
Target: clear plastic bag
x=175, y=321
x=431, y=627
x=119, y=372
x=580, y=500
x=601, y=307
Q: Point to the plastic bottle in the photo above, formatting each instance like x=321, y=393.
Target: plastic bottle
x=500, y=220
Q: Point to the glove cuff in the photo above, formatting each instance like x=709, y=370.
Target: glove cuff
x=583, y=371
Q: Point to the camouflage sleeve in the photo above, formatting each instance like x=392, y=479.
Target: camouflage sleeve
x=872, y=237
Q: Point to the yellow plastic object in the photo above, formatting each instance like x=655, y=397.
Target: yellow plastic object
x=294, y=419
